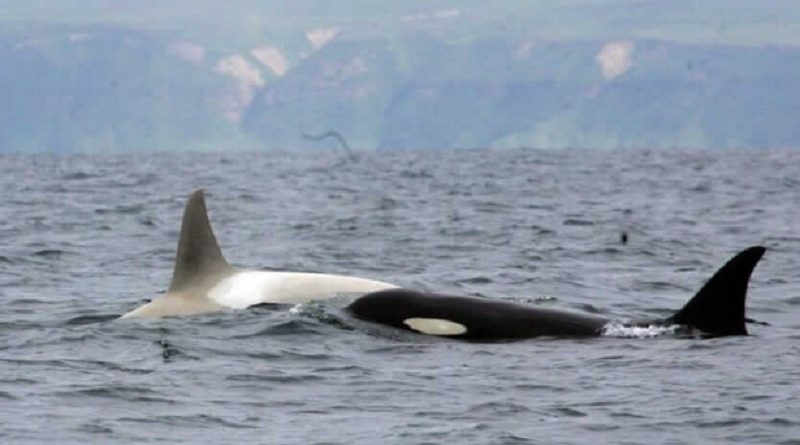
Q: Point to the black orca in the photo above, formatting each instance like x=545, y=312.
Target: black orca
x=718, y=309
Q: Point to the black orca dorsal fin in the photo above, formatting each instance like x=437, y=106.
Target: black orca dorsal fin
x=718, y=308
x=198, y=252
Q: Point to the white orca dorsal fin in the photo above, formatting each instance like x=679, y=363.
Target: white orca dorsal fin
x=198, y=254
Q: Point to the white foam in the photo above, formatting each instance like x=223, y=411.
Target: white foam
x=298, y=309
x=620, y=330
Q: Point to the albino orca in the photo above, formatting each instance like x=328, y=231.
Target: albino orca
x=203, y=281
x=718, y=309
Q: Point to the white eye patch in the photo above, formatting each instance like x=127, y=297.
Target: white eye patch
x=435, y=326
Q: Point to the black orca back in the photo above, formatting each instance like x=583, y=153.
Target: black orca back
x=719, y=307
x=484, y=319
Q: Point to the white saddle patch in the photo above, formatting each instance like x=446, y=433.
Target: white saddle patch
x=435, y=326
x=242, y=289
x=249, y=287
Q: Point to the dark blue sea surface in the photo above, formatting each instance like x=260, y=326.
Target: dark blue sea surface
x=82, y=238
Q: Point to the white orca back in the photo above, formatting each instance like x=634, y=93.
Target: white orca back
x=203, y=281
x=248, y=288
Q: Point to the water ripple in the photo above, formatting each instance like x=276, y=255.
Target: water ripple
x=86, y=238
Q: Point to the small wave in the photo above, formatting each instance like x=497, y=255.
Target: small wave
x=604, y=251
x=327, y=313
x=94, y=429
x=419, y=174
x=195, y=420
x=569, y=412
x=590, y=308
x=793, y=301
x=476, y=280
x=77, y=176
x=169, y=352
x=619, y=330
x=346, y=369
x=498, y=408
x=387, y=204
x=578, y=222
x=278, y=377
x=90, y=319
x=291, y=327
x=118, y=392
x=50, y=253
x=104, y=366
x=131, y=209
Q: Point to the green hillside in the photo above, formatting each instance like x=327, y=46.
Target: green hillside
x=125, y=75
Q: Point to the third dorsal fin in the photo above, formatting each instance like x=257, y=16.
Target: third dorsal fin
x=718, y=308
x=198, y=252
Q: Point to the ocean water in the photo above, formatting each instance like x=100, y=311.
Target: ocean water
x=83, y=238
